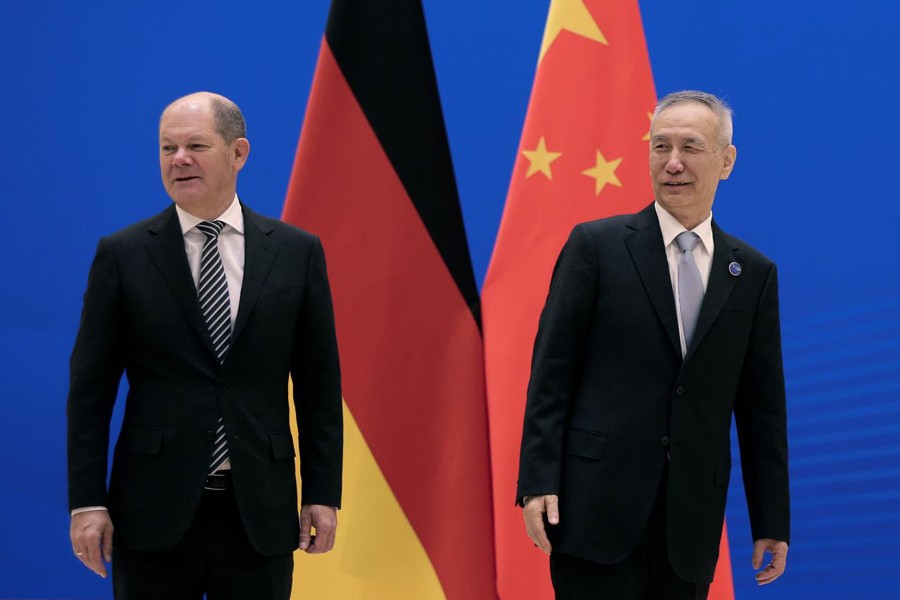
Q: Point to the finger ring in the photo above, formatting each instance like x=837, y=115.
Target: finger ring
x=79, y=554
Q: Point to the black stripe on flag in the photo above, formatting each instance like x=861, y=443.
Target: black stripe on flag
x=383, y=52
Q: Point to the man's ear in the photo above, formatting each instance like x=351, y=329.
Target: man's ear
x=241, y=152
x=728, y=161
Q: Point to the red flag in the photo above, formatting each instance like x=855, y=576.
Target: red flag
x=583, y=155
x=373, y=178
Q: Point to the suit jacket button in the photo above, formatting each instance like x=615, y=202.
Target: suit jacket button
x=223, y=384
x=679, y=391
x=664, y=440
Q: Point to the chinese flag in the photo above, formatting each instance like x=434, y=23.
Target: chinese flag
x=583, y=155
x=374, y=180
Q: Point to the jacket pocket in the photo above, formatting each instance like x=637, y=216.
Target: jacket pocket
x=141, y=441
x=585, y=444
x=282, y=445
x=723, y=472
x=290, y=296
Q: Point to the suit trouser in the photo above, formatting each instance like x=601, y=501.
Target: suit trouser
x=214, y=557
x=645, y=575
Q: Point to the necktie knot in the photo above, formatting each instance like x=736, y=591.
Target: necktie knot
x=211, y=229
x=686, y=240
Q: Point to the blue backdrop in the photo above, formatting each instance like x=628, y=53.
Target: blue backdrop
x=814, y=88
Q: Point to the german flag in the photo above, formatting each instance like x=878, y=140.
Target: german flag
x=582, y=156
x=373, y=179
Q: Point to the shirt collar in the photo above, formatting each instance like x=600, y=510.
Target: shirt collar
x=233, y=216
x=670, y=227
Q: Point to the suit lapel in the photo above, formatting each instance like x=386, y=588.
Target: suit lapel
x=646, y=248
x=717, y=289
x=259, y=254
x=165, y=244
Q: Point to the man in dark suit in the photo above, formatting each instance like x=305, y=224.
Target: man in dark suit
x=657, y=327
x=208, y=308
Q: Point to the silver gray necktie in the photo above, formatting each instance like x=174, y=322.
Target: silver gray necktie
x=216, y=307
x=690, y=285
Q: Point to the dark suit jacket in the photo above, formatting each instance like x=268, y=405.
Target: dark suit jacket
x=142, y=316
x=610, y=397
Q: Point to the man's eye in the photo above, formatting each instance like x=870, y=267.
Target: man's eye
x=198, y=146
x=167, y=149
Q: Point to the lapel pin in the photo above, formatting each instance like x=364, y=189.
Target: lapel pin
x=734, y=269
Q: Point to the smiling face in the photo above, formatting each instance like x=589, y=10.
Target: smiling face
x=199, y=168
x=688, y=158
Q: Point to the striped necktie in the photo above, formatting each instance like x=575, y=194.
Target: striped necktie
x=690, y=285
x=216, y=307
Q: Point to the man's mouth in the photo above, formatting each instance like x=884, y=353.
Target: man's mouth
x=189, y=178
x=677, y=183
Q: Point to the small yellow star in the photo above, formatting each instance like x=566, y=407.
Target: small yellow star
x=573, y=16
x=646, y=138
x=540, y=159
x=604, y=172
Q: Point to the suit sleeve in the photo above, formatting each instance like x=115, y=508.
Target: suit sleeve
x=316, y=375
x=95, y=370
x=761, y=421
x=556, y=364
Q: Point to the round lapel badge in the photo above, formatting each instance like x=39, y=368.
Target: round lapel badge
x=734, y=269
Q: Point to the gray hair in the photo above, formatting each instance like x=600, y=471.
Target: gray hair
x=228, y=119
x=721, y=109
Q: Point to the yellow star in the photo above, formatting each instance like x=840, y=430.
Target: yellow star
x=540, y=159
x=646, y=137
x=571, y=15
x=604, y=172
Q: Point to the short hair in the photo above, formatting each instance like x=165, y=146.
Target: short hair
x=719, y=107
x=228, y=120
x=227, y=117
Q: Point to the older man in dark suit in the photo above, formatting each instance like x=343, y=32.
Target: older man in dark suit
x=207, y=308
x=657, y=328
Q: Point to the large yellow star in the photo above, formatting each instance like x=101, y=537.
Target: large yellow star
x=604, y=172
x=540, y=159
x=571, y=15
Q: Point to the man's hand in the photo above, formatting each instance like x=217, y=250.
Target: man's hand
x=92, y=539
x=535, y=507
x=324, y=519
x=774, y=569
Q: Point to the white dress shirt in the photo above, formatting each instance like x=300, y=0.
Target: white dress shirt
x=703, y=254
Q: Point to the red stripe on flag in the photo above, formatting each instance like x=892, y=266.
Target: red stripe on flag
x=411, y=353
x=722, y=587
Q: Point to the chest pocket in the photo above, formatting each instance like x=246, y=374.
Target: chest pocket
x=288, y=297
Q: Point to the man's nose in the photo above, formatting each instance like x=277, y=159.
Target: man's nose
x=181, y=158
x=674, y=165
